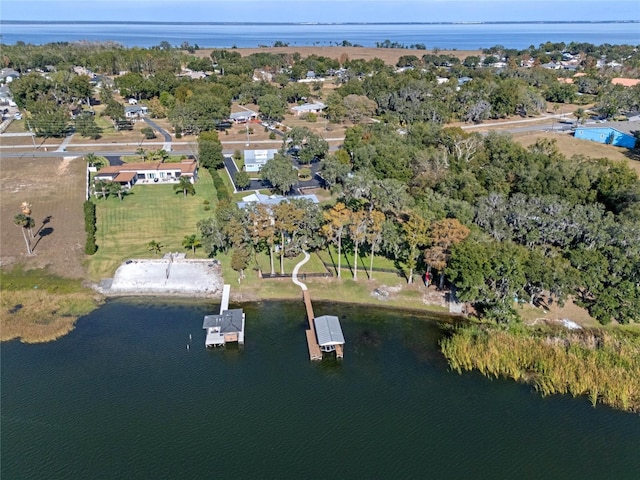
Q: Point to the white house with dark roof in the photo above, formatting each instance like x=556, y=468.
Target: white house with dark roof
x=135, y=111
x=243, y=116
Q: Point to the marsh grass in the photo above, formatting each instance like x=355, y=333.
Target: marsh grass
x=38, y=306
x=603, y=365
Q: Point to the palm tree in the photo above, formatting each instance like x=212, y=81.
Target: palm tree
x=155, y=247
x=27, y=223
x=117, y=188
x=25, y=208
x=184, y=184
x=91, y=159
x=102, y=186
x=190, y=241
x=142, y=152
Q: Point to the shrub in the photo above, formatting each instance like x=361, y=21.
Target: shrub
x=272, y=136
x=148, y=133
x=90, y=227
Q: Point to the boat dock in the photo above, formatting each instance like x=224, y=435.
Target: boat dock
x=226, y=327
x=324, y=333
x=312, y=342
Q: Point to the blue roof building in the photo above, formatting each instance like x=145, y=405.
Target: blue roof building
x=618, y=134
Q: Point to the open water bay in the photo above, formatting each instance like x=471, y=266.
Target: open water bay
x=122, y=397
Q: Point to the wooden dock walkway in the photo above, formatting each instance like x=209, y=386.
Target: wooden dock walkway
x=312, y=342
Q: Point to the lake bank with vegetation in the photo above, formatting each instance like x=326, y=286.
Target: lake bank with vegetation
x=602, y=364
x=38, y=306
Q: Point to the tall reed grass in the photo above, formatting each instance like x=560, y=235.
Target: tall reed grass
x=599, y=364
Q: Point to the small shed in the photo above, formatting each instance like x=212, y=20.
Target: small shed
x=328, y=332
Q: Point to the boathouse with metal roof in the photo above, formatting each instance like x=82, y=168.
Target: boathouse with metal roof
x=328, y=333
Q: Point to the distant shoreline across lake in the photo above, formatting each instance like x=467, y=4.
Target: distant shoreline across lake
x=462, y=36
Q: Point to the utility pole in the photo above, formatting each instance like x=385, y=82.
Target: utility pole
x=33, y=137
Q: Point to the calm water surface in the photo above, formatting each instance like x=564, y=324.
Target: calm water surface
x=122, y=397
x=458, y=36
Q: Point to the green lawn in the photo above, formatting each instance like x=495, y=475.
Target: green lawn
x=330, y=256
x=314, y=265
x=149, y=212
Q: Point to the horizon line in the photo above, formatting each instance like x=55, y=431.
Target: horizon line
x=469, y=22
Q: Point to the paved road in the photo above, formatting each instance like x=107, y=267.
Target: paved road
x=164, y=133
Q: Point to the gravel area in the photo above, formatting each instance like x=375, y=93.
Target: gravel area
x=180, y=277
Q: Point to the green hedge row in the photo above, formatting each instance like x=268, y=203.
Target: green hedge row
x=222, y=192
x=90, y=227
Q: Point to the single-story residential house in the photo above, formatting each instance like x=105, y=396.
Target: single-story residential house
x=254, y=160
x=243, y=117
x=618, y=134
x=308, y=108
x=129, y=174
x=135, y=111
x=268, y=200
x=8, y=75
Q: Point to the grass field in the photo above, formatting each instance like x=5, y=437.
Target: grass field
x=149, y=212
x=570, y=146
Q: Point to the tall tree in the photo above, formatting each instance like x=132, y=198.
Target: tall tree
x=240, y=260
x=212, y=236
x=26, y=223
x=443, y=234
x=358, y=232
x=263, y=232
x=210, y=150
x=280, y=173
x=337, y=218
x=286, y=217
x=415, y=231
x=374, y=235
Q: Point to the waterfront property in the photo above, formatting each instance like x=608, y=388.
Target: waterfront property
x=324, y=333
x=618, y=134
x=226, y=327
x=130, y=174
x=329, y=333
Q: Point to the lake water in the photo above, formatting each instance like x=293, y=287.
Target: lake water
x=122, y=397
x=448, y=36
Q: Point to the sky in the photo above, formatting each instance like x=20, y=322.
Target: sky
x=320, y=10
